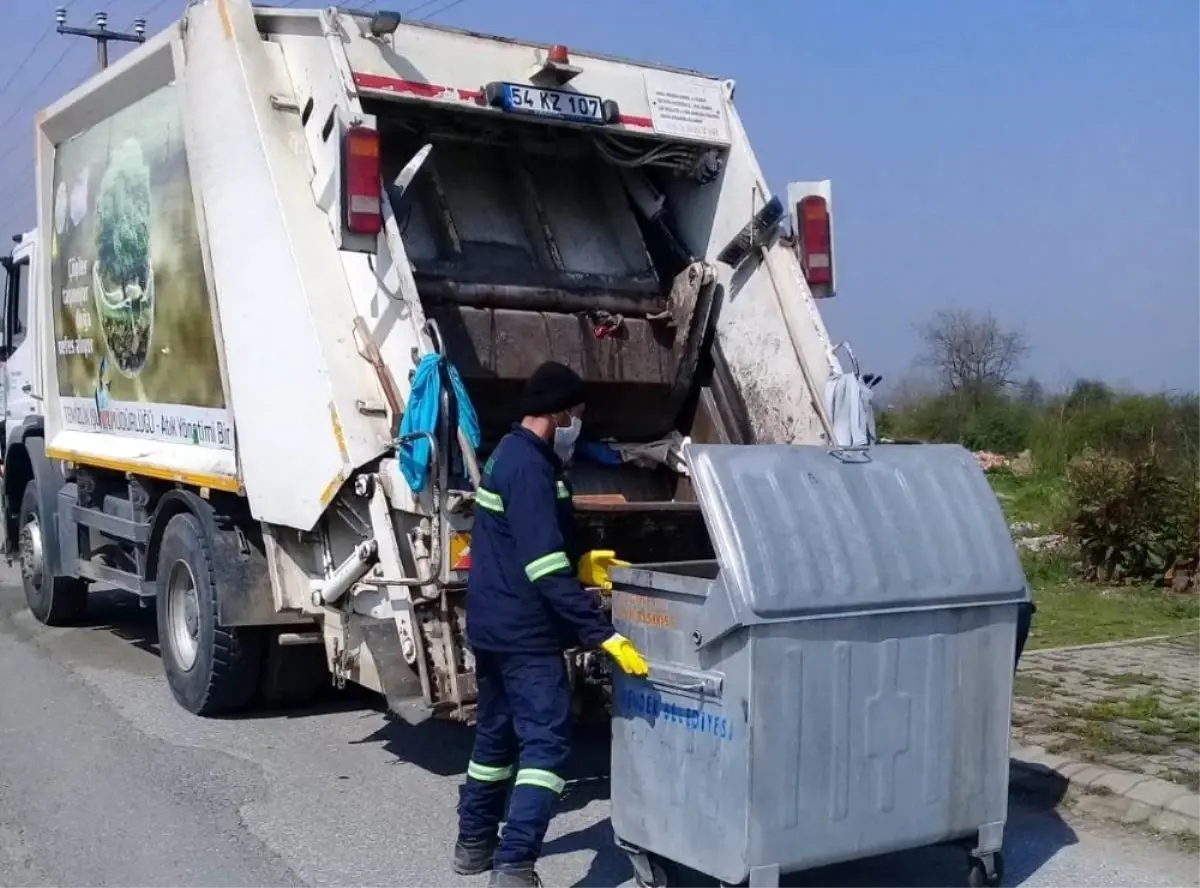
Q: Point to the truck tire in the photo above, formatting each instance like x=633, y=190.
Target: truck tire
x=210, y=668
x=55, y=601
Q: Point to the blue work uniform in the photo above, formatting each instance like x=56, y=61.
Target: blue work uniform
x=524, y=609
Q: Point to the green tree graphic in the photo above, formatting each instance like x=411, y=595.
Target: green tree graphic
x=123, y=218
x=123, y=256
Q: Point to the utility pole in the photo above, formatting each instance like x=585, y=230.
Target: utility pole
x=101, y=34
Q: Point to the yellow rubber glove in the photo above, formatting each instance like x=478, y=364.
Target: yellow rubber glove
x=594, y=566
x=628, y=659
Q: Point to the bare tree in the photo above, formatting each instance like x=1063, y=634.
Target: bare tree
x=970, y=352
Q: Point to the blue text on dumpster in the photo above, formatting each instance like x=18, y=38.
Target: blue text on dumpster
x=652, y=706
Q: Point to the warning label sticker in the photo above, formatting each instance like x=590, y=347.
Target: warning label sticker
x=680, y=106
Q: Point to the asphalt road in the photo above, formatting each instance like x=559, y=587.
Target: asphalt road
x=105, y=781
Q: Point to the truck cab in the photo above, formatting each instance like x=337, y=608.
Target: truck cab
x=20, y=390
x=20, y=396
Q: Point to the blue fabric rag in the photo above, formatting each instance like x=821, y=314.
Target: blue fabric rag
x=597, y=452
x=421, y=415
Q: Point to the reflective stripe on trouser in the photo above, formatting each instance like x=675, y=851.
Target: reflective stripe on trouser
x=488, y=773
x=524, y=702
x=542, y=779
x=483, y=794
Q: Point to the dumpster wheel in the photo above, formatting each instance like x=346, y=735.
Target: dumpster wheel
x=649, y=870
x=658, y=876
x=986, y=871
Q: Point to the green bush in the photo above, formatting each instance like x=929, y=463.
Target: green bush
x=998, y=424
x=1093, y=417
x=1132, y=518
x=1090, y=416
x=1040, y=498
x=1119, y=472
x=981, y=422
x=1052, y=568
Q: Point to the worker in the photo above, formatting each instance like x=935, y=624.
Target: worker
x=525, y=607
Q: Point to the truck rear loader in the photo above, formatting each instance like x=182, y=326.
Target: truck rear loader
x=252, y=231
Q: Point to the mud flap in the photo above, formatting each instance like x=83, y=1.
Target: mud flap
x=401, y=684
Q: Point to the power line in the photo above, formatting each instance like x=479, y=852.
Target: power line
x=157, y=6
x=25, y=61
x=54, y=67
x=32, y=51
x=20, y=106
x=409, y=12
x=446, y=8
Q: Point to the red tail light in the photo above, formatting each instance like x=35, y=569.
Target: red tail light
x=362, y=191
x=815, y=240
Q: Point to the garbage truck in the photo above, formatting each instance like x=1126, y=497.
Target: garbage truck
x=257, y=227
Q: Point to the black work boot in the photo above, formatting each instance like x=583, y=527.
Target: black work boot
x=514, y=875
x=473, y=858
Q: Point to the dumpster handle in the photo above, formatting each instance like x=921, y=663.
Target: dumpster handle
x=686, y=682
x=852, y=455
x=698, y=686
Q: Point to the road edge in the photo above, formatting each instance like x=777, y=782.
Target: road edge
x=1126, y=796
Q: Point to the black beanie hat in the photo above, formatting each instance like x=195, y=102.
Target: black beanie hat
x=553, y=387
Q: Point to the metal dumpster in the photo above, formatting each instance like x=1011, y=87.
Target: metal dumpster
x=836, y=684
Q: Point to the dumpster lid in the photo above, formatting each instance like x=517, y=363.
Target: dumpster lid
x=807, y=531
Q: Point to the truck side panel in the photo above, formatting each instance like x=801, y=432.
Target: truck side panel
x=768, y=323
x=130, y=366
x=266, y=249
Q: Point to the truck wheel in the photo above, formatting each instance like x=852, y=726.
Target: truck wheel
x=210, y=668
x=55, y=601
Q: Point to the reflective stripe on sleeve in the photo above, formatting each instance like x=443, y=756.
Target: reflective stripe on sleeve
x=543, y=779
x=546, y=565
x=489, y=500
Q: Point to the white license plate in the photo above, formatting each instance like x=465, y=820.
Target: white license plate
x=553, y=103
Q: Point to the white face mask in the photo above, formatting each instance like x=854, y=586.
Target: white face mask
x=565, y=438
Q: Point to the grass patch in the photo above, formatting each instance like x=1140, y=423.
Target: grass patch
x=1139, y=725
x=1044, y=569
x=1101, y=737
x=1031, y=686
x=1186, y=842
x=1185, y=729
x=1071, y=611
x=1185, y=778
x=1143, y=708
x=1126, y=679
x=1076, y=613
x=1040, y=498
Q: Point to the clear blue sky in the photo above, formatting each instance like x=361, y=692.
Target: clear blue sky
x=1038, y=158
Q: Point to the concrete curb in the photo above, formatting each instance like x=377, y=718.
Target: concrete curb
x=1121, y=795
x=1119, y=642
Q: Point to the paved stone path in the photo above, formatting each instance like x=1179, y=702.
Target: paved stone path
x=1132, y=706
